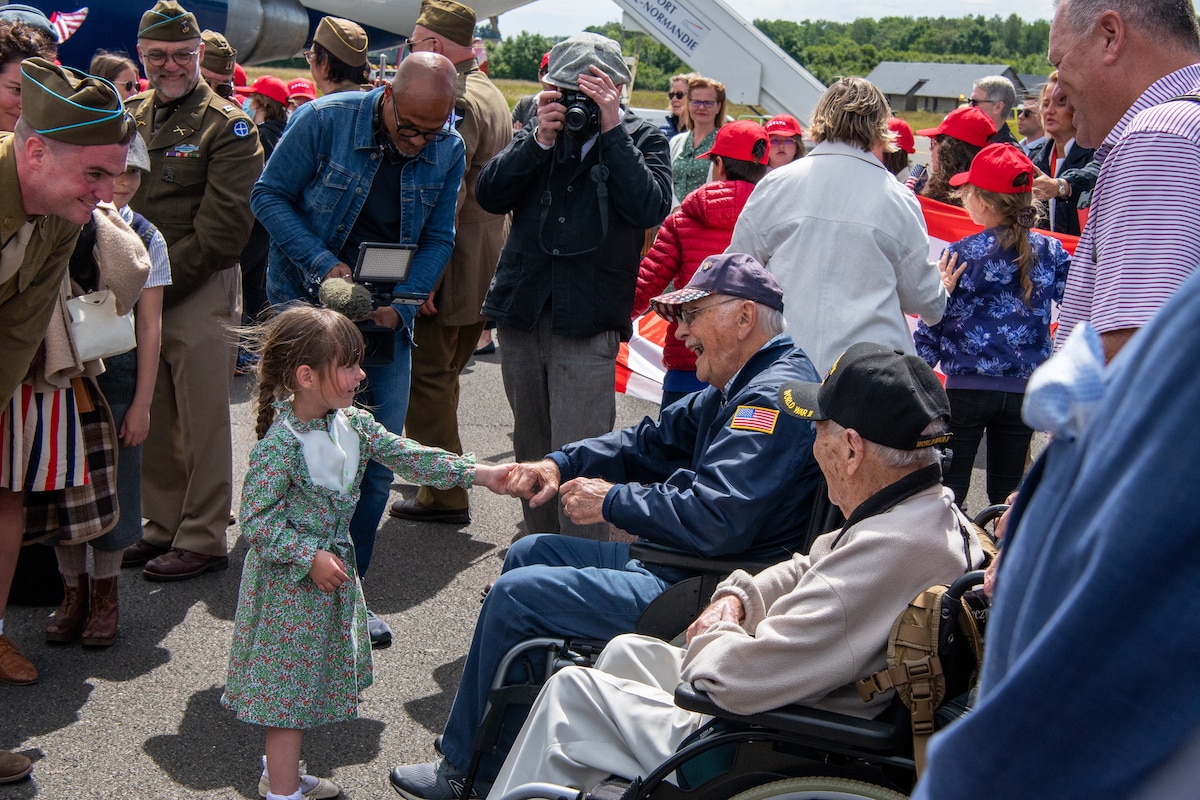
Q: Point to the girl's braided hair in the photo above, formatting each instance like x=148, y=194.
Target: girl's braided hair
x=298, y=335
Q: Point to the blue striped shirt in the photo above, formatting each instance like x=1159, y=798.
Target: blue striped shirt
x=1142, y=238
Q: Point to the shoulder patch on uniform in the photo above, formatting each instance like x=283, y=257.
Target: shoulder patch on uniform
x=227, y=108
x=241, y=128
x=754, y=418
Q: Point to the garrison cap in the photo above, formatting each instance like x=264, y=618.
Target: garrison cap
x=34, y=17
x=345, y=40
x=219, y=55
x=168, y=22
x=571, y=58
x=450, y=19
x=69, y=106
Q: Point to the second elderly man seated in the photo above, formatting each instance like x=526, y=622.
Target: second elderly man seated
x=719, y=474
x=802, y=631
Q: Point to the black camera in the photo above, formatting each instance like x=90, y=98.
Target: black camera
x=379, y=268
x=582, y=115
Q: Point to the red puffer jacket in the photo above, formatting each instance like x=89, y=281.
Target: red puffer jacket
x=702, y=226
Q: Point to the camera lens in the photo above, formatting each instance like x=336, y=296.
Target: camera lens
x=576, y=119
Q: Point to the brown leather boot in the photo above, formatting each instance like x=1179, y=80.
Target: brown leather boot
x=67, y=622
x=101, y=627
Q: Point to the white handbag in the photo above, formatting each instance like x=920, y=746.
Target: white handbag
x=99, y=331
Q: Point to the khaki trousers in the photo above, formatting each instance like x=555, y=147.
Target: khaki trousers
x=440, y=354
x=187, y=460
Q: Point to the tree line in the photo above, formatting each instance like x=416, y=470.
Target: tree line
x=826, y=49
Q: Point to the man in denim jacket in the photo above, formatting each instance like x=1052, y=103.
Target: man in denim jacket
x=352, y=167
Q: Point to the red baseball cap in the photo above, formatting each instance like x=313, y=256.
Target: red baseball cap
x=736, y=140
x=967, y=124
x=302, y=87
x=783, y=125
x=239, y=75
x=904, y=134
x=999, y=168
x=272, y=87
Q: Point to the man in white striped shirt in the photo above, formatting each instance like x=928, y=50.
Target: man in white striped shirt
x=1121, y=63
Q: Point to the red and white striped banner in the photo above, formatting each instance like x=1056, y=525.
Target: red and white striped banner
x=639, y=363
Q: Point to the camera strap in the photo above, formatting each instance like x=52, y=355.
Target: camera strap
x=599, y=175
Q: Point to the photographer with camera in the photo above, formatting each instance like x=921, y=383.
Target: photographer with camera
x=583, y=185
x=377, y=167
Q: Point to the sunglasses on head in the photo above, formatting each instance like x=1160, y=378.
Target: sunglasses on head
x=676, y=95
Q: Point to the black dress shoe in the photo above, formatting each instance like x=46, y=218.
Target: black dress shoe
x=411, y=509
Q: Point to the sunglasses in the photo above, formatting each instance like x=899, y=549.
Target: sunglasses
x=703, y=103
x=1026, y=112
x=676, y=95
x=128, y=86
x=973, y=102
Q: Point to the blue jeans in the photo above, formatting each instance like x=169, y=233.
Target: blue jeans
x=386, y=394
x=550, y=585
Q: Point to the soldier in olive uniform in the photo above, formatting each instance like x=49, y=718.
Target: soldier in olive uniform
x=68, y=147
x=204, y=159
x=338, y=57
x=449, y=324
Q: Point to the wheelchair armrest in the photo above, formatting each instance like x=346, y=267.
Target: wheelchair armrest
x=865, y=734
x=658, y=555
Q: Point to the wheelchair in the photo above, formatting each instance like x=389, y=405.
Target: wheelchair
x=790, y=753
x=666, y=618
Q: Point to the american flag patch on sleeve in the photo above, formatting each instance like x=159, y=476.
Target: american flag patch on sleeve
x=754, y=418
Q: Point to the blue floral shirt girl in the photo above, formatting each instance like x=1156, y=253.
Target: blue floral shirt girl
x=989, y=337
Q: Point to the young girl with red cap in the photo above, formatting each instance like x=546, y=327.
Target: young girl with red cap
x=996, y=329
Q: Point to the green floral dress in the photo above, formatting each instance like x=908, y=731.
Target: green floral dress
x=301, y=656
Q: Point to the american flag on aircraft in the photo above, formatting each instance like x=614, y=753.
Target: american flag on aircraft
x=66, y=23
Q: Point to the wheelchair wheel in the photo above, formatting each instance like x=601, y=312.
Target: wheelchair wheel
x=819, y=787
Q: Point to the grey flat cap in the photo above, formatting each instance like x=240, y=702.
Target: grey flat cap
x=571, y=57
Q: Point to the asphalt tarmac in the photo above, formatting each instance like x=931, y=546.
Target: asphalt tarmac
x=143, y=720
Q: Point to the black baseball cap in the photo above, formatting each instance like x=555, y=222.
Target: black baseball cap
x=886, y=395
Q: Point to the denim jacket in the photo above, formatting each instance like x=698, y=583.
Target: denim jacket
x=317, y=181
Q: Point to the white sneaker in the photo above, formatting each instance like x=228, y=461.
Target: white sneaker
x=311, y=787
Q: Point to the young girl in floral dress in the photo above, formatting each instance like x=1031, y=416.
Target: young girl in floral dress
x=996, y=329
x=301, y=653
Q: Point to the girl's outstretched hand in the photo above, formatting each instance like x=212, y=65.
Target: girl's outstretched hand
x=950, y=275
x=494, y=478
x=327, y=571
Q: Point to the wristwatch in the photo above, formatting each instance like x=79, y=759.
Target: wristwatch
x=1064, y=188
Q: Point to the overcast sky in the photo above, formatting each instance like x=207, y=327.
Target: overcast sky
x=564, y=17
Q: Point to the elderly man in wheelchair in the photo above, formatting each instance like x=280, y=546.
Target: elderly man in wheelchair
x=720, y=474
x=800, y=632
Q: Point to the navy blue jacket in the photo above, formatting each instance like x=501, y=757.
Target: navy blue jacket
x=694, y=482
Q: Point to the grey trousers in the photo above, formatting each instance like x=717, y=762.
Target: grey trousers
x=560, y=390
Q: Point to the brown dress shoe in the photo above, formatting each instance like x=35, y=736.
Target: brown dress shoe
x=101, y=627
x=14, y=766
x=14, y=667
x=67, y=622
x=411, y=509
x=137, y=555
x=179, y=565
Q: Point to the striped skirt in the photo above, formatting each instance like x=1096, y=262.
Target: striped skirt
x=41, y=442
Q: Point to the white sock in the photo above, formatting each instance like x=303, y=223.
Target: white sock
x=296, y=795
